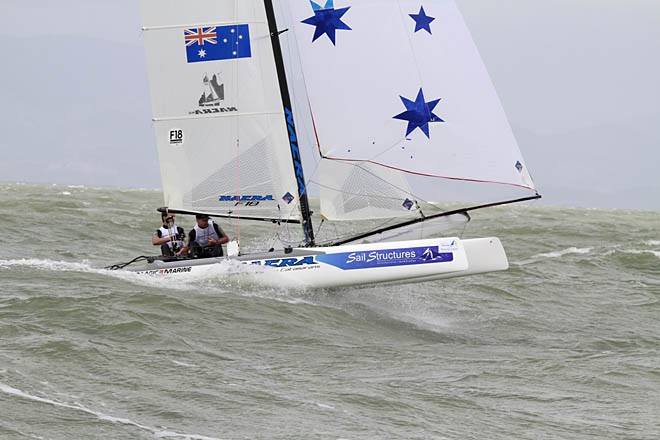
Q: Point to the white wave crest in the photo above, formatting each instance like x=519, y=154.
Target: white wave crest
x=158, y=433
x=210, y=278
x=640, y=251
x=225, y=276
x=557, y=254
x=52, y=265
x=183, y=364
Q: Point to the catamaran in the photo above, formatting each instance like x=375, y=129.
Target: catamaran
x=384, y=108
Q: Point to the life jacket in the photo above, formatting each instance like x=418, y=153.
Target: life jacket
x=202, y=235
x=165, y=233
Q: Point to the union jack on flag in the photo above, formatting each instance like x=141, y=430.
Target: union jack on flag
x=201, y=36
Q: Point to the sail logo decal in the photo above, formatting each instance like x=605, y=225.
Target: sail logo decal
x=419, y=113
x=216, y=43
x=386, y=258
x=176, y=137
x=288, y=198
x=249, y=200
x=327, y=20
x=167, y=271
x=295, y=153
x=422, y=21
x=212, y=97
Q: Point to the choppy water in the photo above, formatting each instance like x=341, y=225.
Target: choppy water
x=564, y=345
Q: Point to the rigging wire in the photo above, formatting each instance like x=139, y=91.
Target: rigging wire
x=237, y=226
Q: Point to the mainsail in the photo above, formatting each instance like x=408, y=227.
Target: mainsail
x=402, y=109
x=226, y=152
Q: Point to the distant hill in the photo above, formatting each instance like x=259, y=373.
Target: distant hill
x=76, y=111
x=600, y=167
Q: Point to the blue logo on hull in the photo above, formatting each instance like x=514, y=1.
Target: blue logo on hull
x=287, y=262
x=386, y=258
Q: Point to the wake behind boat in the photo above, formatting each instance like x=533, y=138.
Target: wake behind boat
x=390, y=108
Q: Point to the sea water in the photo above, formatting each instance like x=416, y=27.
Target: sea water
x=563, y=345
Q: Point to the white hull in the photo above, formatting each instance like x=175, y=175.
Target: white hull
x=353, y=265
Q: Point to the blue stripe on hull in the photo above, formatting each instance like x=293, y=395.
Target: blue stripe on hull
x=386, y=258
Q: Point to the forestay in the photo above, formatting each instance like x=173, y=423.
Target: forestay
x=218, y=116
x=403, y=109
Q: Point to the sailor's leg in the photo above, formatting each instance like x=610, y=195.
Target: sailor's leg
x=166, y=251
x=196, y=250
x=216, y=251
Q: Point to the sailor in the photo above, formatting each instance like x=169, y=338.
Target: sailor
x=169, y=236
x=205, y=239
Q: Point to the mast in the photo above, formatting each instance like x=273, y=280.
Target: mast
x=306, y=214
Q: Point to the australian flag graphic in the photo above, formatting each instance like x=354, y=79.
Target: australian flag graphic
x=216, y=43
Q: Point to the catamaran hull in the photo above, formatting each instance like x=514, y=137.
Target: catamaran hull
x=353, y=265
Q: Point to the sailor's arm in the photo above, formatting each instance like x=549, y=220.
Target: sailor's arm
x=186, y=247
x=157, y=240
x=223, y=237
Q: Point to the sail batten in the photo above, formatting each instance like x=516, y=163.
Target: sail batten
x=199, y=24
x=214, y=115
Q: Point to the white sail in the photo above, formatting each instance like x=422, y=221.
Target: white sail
x=399, y=98
x=218, y=116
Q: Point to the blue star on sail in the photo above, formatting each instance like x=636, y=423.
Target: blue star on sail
x=419, y=113
x=422, y=21
x=327, y=20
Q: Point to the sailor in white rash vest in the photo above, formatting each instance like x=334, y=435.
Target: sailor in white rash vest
x=169, y=236
x=205, y=239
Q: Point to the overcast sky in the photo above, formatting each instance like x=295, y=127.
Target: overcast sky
x=579, y=80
